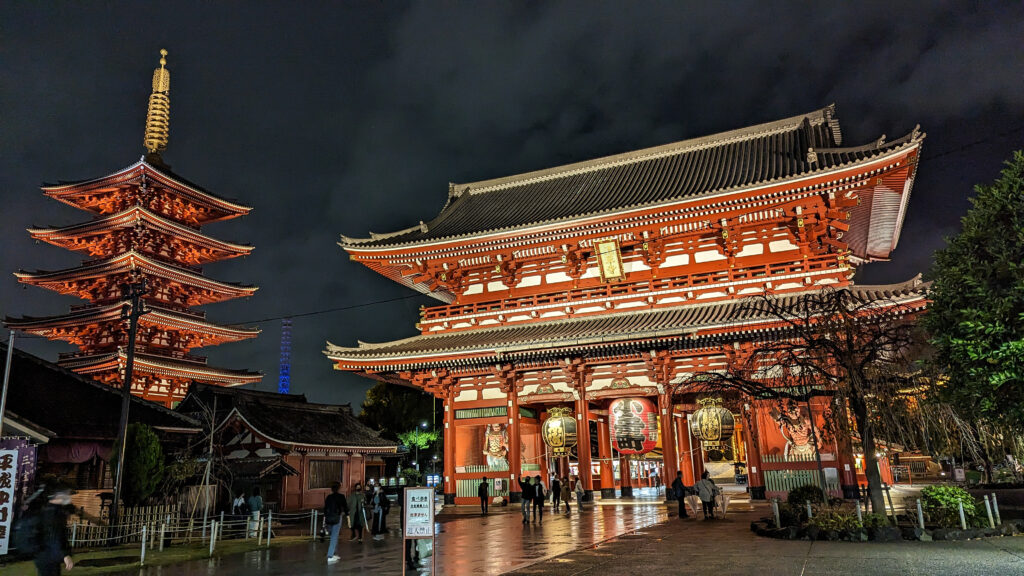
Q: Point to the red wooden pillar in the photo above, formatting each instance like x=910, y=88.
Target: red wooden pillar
x=583, y=445
x=604, y=452
x=449, y=448
x=515, y=464
x=755, y=474
x=685, y=451
x=626, y=474
x=668, y=441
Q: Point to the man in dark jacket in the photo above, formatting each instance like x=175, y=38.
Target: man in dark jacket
x=679, y=491
x=481, y=491
x=335, y=507
x=539, y=494
x=527, y=489
x=556, y=493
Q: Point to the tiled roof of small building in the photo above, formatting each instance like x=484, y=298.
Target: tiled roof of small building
x=633, y=327
x=290, y=419
x=750, y=156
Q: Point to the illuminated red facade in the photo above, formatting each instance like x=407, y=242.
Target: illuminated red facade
x=145, y=227
x=618, y=277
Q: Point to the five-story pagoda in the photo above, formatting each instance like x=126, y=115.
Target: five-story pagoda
x=146, y=229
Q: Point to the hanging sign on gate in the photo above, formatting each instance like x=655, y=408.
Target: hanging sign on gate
x=8, y=479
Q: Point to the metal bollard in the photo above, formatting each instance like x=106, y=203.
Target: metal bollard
x=142, y=560
x=163, y=529
x=775, y=510
x=220, y=535
x=995, y=508
x=963, y=520
x=213, y=535
x=74, y=533
x=920, y=514
x=988, y=510
x=809, y=513
x=259, y=532
x=860, y=515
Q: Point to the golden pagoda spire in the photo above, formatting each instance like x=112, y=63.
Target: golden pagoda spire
x=158, y=117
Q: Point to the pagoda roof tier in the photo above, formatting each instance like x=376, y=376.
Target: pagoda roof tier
x=689, y=323
x=107, y=194
x=149, y=364
x=762, y=155
x=97, y=238
x=79, y=324
x=91, y=280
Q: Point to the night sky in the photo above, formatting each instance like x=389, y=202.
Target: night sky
x=345, y=117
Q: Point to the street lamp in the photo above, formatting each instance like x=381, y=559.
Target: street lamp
x=433, y=465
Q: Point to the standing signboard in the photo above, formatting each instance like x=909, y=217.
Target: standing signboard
x=8, y=479
x=419, y=520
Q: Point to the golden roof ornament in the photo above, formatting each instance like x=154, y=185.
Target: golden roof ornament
x=158, y=116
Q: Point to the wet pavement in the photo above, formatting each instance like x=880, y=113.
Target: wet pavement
x=467, y=543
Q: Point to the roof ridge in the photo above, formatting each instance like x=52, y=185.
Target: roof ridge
x=816, y=117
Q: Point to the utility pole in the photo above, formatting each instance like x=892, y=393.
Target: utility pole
x=7, y=378
x=132, y=293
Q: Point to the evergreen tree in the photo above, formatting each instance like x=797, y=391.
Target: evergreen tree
x=976, y=318
x=143, y=464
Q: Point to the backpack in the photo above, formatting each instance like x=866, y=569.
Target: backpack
x=28, y=538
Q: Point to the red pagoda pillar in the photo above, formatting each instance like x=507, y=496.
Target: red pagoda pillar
x=668, y=442
x=515, y=464
x=583, y=446
x=449, y=448
x=604, y=452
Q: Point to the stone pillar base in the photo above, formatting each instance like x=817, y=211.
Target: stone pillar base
x=449, y=499
x=627, y=492
x=607, y=493
x=851, y=491
x=588, y=495
x=515, y=497
x=757, y=493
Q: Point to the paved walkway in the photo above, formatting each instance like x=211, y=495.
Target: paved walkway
x=467, y=544
x=728, y=547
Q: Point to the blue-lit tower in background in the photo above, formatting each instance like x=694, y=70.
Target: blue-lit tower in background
x=284, y=381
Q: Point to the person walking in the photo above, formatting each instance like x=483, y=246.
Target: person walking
x=481, y=491
x=579, y=494
x=566, y=492
x=255, y=503
x=539, y=494
x=707, y=491
x=527, y=497
x=679, y=491
x=556, y=493
x=357, y=512
x=335, y=507
x=43, y=532
x=238, y=506
x=381, y=505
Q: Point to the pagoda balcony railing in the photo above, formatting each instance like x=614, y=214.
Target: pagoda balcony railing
x=169, y=354
x=197, y=314
x=694, y=281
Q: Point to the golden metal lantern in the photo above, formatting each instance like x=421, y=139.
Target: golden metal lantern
x=712, y=424
x=559, y=431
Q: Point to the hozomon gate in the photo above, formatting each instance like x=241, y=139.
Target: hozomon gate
x=618, y=277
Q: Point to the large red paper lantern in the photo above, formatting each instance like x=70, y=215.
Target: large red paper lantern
x=633, y=423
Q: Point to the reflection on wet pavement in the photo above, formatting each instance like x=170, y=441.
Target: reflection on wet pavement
x=466, y=544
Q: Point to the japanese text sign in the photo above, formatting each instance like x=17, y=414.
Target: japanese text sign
x=8, y=478
x=419, y=512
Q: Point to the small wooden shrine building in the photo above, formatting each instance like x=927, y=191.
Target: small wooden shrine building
x=293, y=450
x=613, y=279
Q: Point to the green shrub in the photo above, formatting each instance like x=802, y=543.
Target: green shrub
x=835, y=518
x=940, y=504
x=791, y=515
x=872, y=520
x=800, y=495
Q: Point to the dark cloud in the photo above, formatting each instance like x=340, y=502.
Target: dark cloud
x=345, y=118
